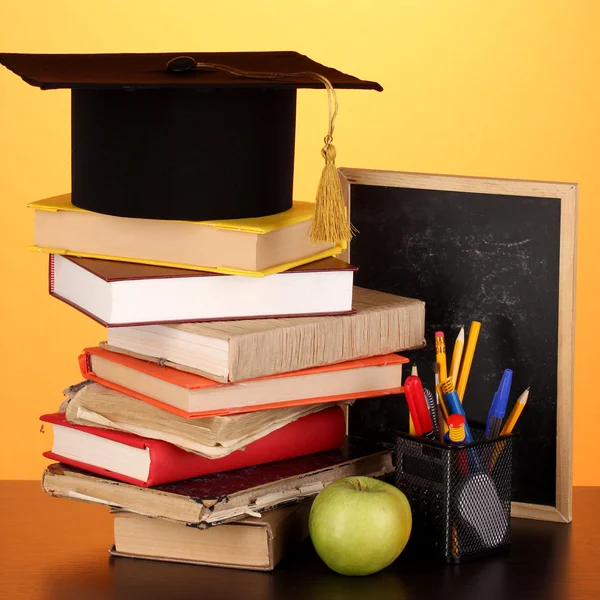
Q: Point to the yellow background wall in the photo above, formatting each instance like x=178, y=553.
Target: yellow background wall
x=505, y=88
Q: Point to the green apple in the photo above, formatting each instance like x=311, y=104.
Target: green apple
x=359, y=525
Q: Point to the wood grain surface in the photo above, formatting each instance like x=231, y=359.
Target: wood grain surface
x=58, y=549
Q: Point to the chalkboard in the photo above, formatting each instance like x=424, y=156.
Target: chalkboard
x=496, y=251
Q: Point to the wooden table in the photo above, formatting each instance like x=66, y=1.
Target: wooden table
x=57, y=549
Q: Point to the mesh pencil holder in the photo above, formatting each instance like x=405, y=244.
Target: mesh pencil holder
x=460, y=497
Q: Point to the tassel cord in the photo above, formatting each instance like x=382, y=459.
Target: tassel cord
x=330, y=223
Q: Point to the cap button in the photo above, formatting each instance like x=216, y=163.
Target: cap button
x=181, y=64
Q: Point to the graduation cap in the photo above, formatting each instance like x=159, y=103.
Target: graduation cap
x=191, y=136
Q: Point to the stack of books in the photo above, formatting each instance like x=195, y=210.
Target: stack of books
x=216, y=397
x=215, y=409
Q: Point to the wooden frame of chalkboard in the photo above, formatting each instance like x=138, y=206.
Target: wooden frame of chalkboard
x=391, y=210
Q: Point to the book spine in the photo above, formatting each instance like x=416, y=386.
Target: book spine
x=326, y=341
x=85, y=366
x=51, y=274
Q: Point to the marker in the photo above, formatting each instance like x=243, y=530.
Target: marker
x=461, y=386
x=411, y=425
x=515, y=413
x=454, y=406
x=498, y=408
x=417, y=405
x=459, y=345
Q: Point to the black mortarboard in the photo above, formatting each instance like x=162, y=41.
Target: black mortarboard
x=190, y=136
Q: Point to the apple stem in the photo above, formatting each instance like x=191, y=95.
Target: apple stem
x=359, y=486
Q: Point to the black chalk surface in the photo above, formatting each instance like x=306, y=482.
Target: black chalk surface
x=471, y=256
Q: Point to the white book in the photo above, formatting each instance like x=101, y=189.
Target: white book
x=120, y=293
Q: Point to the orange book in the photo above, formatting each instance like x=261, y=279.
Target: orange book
x=190, y=395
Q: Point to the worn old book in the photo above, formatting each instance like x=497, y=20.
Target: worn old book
x=189, y=395
x=149, y=462
x=240, y=350
x=256, y=247
x=257, y=543
x=118, y=293
x=94, y=405
x=222, y=497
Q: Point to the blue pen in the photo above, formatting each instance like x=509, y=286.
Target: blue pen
x=454, y=406
x=498, y=408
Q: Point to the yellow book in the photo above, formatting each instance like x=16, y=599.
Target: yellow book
x=255, y=247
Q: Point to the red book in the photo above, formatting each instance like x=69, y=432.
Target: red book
x=147, y=462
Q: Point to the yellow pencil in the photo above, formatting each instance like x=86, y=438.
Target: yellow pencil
x=436, y=371
x=515, y=413
x=441, y=371
x=440, y=354
x=509, y=425
x=468, y=359
x=459, y=344
x=411, y=427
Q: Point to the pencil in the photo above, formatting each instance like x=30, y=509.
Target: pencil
x=436, y=372
x=509, y=425
x=411, y=427
x=440, y=354
x=515, y=413
x=459, y=344
x=468, y=359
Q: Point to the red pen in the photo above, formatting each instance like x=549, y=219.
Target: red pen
x=417, y=405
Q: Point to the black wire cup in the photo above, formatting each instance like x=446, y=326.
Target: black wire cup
x=460, y=496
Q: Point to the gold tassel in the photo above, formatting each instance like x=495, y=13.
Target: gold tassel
x=330, y=221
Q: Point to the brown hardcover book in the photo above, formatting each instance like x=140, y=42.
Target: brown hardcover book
x=256, y=543
x=239, y=350
x=255, y=246
x=120, y=293
x=223, y=497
